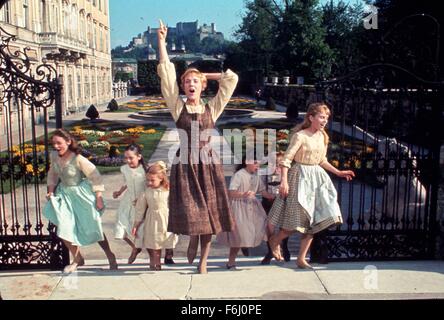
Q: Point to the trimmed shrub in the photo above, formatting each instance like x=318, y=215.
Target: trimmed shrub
x=92, y=113
x=113, y=105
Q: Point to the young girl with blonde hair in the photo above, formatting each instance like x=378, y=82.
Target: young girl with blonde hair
x=308, y=199
x=152, y=212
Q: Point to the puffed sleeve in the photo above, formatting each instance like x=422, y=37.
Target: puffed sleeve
x=227, y=84
x=141, y=206
x=91, y=172
x=169, y=87
x=235, y=182
x=293, y=147
x=53, y=177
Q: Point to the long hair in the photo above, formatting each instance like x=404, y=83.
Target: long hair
x=138, y=151
x=159, y=168
x=313, y=110
x=199, y=74
x=74, y=146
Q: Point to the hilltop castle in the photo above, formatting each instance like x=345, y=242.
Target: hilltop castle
x=177, y=35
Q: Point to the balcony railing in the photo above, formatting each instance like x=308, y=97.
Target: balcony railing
x=59, y=40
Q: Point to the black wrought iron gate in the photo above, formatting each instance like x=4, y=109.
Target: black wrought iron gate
x=386, y=125
x=27, y=93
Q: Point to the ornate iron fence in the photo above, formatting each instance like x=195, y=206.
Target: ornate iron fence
x=389, y=124
x=27, y=92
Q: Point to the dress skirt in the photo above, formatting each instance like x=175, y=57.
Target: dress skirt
x=311, y=205
x=73, y=210
x=250, y=225
x=198, y=201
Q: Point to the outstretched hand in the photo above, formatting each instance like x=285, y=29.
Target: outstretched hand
x=346, y=174
x=162, y=31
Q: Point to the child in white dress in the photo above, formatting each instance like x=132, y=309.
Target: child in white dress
x=134, y=175
x=250, y=217
x=152, y=214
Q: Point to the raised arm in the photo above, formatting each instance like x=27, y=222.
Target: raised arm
x=227, y=83
x=167, y=74
x=161, y=36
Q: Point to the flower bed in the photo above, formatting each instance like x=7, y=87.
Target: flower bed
x=22, y=164
x=105, y=148
x=143, y=104
x=241, y=103
x=158, y=103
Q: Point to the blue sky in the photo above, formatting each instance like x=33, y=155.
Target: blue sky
x=131, y=17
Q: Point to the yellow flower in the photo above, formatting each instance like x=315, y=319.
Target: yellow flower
x=29, y=168
x=335, y=163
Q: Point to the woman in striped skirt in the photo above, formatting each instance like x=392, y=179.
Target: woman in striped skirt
x=308, y=199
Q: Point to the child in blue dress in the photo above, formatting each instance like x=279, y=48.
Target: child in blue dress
x=75, y=203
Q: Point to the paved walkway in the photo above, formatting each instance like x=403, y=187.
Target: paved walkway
x=380, y=280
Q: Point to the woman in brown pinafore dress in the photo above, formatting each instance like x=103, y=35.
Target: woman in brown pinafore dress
x=198, y=200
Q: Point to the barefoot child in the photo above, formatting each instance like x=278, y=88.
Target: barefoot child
x=272, y=183
x=135, y=181
x=152, y=213
x=134, y=176
x=308, y=199
x=250, y=217
x=75, y=204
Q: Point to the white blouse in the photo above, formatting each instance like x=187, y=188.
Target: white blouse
x=170, y=91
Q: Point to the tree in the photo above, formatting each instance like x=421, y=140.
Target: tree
x=288, y=35
x=123, y=76
x=211, y=45
x=408, y=35
x=344, y=32
x=257, y=34
x=147, y=76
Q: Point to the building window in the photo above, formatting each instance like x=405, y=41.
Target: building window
x=101, y=40
x=70, y=90
x=5, y=14
x=90, y=34
x=94, y=44
x=26, y=13
x=75, y=22
x=65, y=21
x=82, y=27
x=79, y=87
x=86, y=86
x=43, y=15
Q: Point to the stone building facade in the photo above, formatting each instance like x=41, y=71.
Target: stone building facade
x=71, y=35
